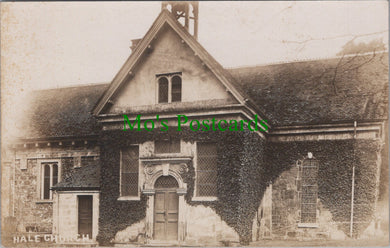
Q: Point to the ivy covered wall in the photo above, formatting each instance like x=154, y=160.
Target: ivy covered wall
x=114, y=215
x=241, y=182
x=336, y=159
x=247, y=164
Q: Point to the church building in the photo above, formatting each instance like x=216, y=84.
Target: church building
x=315, y=169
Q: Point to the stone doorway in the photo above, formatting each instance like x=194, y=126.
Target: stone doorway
x=165, y=191
x=166, y=209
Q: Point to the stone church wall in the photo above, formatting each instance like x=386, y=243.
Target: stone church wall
x=336, y=159
x=32, y=213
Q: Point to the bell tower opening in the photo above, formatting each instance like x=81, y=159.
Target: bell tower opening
x=186, y=13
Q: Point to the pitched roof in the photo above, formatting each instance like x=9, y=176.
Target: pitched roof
x=296, y=93
x=320, y=91
x=63, y=112
x=83, y=178
x=166, y=17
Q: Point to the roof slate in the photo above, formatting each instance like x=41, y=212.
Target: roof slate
x=322, y=91
x=62, y=112
x=298, y=93
x=86, y=177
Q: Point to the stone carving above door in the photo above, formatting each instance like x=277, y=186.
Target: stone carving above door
x=154, y=168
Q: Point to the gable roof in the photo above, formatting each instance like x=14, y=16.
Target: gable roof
x=63, y=112
x=297, y=93
x=166, y=17
x=83, y=178
x=323, y=91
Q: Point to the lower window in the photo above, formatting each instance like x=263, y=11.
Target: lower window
x=49, y=179
x=309, y=190
x=129, y=171
x=206, y=170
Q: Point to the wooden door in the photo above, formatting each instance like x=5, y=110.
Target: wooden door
x=85, y=215
x=166, y=214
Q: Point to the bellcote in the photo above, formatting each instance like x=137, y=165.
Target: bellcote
x=186, y=13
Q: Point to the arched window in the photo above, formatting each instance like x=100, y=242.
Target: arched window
x=166, y=182
x=55, y=174
x=176, y=89
x=163, y=86
x=50, y=178
x=46, y=182
x=169, y=87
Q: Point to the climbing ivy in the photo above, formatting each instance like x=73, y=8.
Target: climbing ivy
x=336, y=159
x=239, y=184
x=246, y=166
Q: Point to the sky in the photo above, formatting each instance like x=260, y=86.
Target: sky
x=57, y=44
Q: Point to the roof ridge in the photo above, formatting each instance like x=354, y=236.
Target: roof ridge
x=301, y=60
x=73, y=86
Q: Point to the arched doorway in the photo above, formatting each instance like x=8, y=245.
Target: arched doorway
x=166, y=208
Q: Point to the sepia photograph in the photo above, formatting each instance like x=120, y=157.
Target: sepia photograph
x=195, y=123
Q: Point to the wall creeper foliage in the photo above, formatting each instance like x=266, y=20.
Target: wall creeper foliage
x=246, y=166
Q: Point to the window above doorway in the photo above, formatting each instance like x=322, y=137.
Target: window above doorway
x=167, y=146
